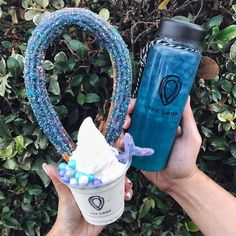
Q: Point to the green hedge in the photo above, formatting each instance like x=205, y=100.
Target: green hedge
x=79, y=80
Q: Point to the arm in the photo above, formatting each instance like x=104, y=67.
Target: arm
x=211, y=207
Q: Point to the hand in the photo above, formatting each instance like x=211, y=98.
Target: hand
x=182, y=162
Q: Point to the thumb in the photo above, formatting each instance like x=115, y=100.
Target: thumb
x=62, y=190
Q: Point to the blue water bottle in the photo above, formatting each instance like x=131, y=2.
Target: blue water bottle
x=171, y=64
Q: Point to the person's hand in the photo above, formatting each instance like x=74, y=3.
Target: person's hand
x=182, y=162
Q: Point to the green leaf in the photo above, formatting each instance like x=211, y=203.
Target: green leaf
x=58, y=4
x=1, y=195
x=6, y=44
x=81, y=98
x=42, y=3
x=191, y=226
x=11, y=221
x=54, y=85
x=104, y=13
x=93, y=80
x=30, y=14
x=77, y=3
x=37, y=167
x=75, y=45
x=26, y=3
x=35, y=190
x=226, y=35
x=207, y=132
x=163, y=4
x=182, y=18
x=233, y=150
x=76, y=80
x=92, y=97
x=225, y=116
x=234, y=8
x=30, y=224
x=48, y=65
x=227, y=86
x=10, y=164
x=2, y=67
x=233, y=51
x=20, y=145
x=146, y=207
x=214, y=22
x=158, y=220
x=61, y=62
x=13, y=66
x=234, y=91
x=219, y=143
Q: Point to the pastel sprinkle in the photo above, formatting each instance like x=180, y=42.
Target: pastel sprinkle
x=90, y=177
x=97, y=182
x=70, y=173
x=73, y=181
x=62, y=166
x=78, y=174
x=72, y=164
x=62, y=172
x=83, y=180
x=66, y=179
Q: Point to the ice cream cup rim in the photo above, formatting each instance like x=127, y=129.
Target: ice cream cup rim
x=128, y=164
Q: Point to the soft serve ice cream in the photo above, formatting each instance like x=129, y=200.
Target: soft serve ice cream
x=94, y=162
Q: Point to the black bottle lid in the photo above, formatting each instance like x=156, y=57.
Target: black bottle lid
x=181, y=31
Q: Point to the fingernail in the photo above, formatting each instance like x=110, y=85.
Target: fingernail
x=44, y=167
x=129, y=183
x=128, y=195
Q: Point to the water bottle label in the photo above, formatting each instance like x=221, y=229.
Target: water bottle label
x=169, y=89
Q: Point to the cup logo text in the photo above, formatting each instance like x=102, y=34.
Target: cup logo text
x=169, y=89
x=96, y=202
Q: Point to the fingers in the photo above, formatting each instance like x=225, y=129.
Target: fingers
x=178, y=132
x=131, y=105
x=130, y=110
x=128, y=189
x=189, y=127
x=127, y=122
x=51, y=171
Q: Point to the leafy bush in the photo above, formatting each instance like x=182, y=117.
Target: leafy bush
x=79, y=80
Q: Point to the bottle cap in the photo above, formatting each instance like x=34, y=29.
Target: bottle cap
x=181, y=31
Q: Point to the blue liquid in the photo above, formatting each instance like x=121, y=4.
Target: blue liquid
x=167, y=80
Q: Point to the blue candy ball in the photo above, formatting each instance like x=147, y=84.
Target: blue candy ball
x=62, y=166
x=90, y=177
x=66, y=179
x=62, y=172
x=70, y=173
x=96, y=182
x=78, y=174
x=72, y=164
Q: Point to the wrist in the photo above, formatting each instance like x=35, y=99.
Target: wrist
x=56, y=231
x=177, y=186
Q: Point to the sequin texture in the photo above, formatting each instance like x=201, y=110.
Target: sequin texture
x=34, y=74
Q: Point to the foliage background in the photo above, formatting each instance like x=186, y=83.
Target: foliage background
x=79, y=83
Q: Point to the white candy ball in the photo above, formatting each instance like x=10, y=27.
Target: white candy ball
x=83, y=180
x=73, y=181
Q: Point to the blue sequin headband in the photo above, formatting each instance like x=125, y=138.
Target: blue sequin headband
x=34, y=73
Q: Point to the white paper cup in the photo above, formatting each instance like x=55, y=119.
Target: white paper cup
x=102, y=205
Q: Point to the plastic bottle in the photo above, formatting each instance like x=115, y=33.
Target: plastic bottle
x=171, y=65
